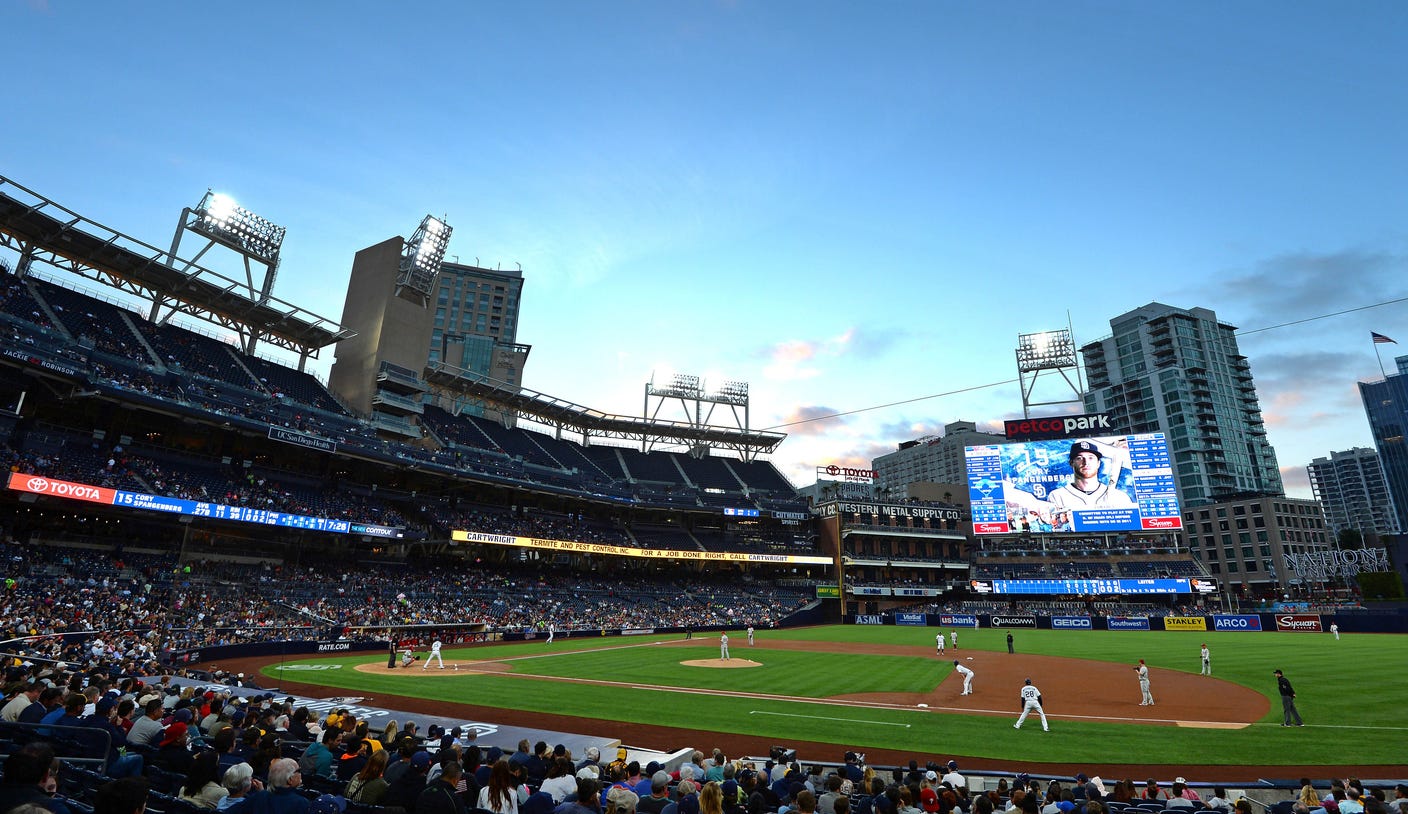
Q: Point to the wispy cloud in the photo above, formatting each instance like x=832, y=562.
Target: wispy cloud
x=1295, y=478
x=797, y=359
x=1296, y=285
x=811, y=420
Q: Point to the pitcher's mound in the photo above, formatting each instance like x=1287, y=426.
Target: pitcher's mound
x=465, y=668
x=730, y=664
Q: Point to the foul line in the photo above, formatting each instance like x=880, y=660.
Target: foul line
x=826, y=718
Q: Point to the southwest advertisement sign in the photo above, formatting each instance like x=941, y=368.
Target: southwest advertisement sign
x=629, y=551
x=1185, y=623
x=1299, y=622
x=1070, y=623
x=1236, y=621
x=958, y=620
x=1127, y=623
x=1012, y=621
x=1108, y=483
x=910, y=619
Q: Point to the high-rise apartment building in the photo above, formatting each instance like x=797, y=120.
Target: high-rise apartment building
x=1178, y=371
x=932, y=459
x=1386, y=404
x=1350, y=486
x=1247, y=539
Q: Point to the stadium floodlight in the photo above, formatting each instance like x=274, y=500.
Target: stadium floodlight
x=219, y=218
x=1047, y=350
x=732, y=392
x=423, y=254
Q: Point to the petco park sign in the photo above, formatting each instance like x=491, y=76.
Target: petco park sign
x=1058, y=426
x=846, y=474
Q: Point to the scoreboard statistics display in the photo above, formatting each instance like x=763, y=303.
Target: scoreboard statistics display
x=1032, y=486
x=1092, y=587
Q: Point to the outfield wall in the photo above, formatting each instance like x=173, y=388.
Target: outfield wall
x=1383, y=621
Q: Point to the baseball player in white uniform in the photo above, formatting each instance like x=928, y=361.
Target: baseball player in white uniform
x=967, y=677
x=1335, y=629
x=434, y=654
x=1207, y=660
x=939, y=642
x=953, y=638
x=1031, y=700
x=750, y=635
x=723, y=647
x=551, y=634
x=1143, y=671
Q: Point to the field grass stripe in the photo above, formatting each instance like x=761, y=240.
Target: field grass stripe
x=825, y=718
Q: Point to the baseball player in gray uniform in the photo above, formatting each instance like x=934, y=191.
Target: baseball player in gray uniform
x=1143, y=670
x=1031, y=701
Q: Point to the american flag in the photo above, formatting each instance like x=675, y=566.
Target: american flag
x=1380, y=339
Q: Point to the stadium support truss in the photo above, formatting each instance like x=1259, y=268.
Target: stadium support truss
x=40, y=230
x=566, y=417
x=689, y=392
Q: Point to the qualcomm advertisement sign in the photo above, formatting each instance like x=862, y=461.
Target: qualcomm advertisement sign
x=1013, y=621
x=958, y=620
x=1070, y=623
x=1236, y=622
x=1127, y=623
x=910, y=619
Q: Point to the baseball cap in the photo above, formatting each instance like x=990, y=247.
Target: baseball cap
x=328, y=804
x=183, y=715
x=1085, y=446
x=173, y=733
x=104, y=705
x=420, y=760
x=953, y=764
x=687, y=805
x=931, y=775
x=1180, y=780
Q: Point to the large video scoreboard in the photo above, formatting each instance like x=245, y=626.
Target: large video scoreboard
x=1032, y=486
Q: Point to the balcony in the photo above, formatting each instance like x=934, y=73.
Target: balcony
x=396, y=404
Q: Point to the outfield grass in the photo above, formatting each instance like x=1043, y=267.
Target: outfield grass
x=1349, y=692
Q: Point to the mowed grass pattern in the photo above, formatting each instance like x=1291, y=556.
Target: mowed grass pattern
x=1350, y=693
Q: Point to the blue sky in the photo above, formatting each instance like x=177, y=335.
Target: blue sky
x=845, y=204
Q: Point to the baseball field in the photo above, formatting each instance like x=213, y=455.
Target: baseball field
x=885, y=690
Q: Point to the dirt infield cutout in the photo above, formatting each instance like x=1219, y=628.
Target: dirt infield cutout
x=451, y=669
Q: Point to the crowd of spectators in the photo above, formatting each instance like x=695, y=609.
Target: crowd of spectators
x=185, y=751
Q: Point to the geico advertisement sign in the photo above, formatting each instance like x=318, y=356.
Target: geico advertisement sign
x=1013, y=621
x=1299, y=622
x=1070, y=623
x=1185, y=623
x=1236, y=622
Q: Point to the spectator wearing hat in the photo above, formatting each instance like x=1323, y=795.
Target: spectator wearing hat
x=659, y=796
x=929, y=792
x=953, y=778
x=147, y=730
x=405, y=790
x=172, y=753
x=1188, y=792
x=117, y=764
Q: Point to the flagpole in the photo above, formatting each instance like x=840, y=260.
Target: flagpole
x=1381, y=360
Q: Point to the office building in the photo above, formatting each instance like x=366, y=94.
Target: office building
x=1245, y=540
x=931, y=459
x=1179, y=371
x=1350, y=486
x=1386, y=405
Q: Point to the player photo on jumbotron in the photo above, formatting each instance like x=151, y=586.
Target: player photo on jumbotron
x=1106, y=483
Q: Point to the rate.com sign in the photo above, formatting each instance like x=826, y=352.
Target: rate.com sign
x=1299, y=622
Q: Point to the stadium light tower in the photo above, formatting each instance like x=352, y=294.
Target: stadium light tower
x=421, y=259
x=1046, y=352
x=221, y=221
x=692, y=394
